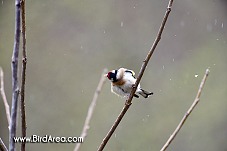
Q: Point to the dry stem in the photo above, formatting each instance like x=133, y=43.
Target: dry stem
x=91, y=109
x=15, y=88
x=196, y=101
x=2, y=89
x=23, y=76
x=144, y=65
x=2, y=146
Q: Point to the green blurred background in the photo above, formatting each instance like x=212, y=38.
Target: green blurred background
x=70, y=42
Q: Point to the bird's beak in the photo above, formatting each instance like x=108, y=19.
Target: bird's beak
x=105, y=75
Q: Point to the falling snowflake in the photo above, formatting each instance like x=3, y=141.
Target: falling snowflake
x=122, y=24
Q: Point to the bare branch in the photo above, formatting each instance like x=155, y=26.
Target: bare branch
x=91, y=109
x=196, y=101
x=2, y=146
x=144, y=65
x=14, y=66
x=23, y=76
x=2, y=89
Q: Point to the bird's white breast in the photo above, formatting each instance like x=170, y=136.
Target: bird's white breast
x=125, y=89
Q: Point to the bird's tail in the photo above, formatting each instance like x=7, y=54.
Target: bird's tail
x=144, y=93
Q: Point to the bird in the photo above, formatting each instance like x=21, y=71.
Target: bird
x=122, y=82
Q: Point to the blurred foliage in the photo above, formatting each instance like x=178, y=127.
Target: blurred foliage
x=70, y=42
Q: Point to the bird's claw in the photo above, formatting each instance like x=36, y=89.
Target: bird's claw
x=133, y=86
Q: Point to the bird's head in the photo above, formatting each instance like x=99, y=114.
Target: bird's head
x=112, y=75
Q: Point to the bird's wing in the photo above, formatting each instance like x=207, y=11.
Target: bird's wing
x=132, y=73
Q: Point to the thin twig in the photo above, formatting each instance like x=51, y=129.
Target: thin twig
x=14, y=67
x=196, y=101
x=2, y=146
x=23, y=76
x=91, y=109
x=144, y=65
x=2, y=89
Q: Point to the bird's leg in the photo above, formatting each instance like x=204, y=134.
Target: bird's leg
x=133, y=86
x=128, y=104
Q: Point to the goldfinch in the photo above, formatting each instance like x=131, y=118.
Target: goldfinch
x=122, y=81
